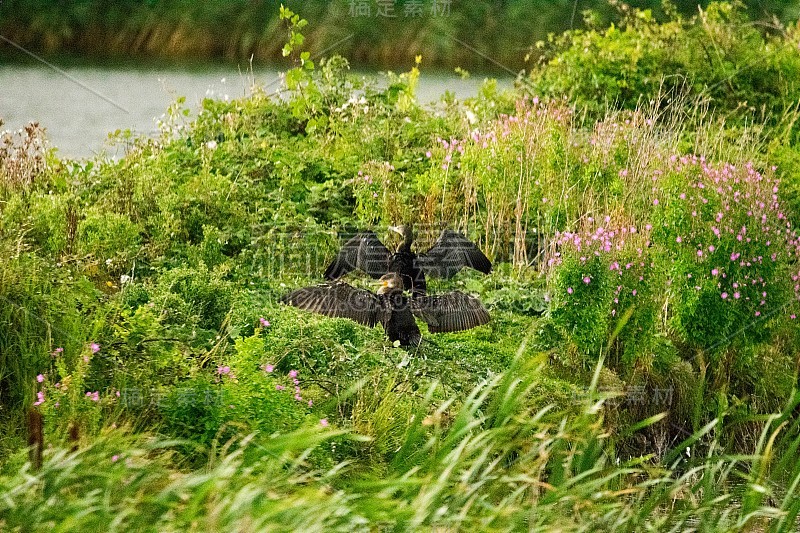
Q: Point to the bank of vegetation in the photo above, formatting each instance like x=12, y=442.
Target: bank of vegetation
x=640, y=370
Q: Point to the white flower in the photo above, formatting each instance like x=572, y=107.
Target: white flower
x=471, y=117
x=211, y=145
x=123, y=279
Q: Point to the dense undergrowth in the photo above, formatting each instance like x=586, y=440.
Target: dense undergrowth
x=639, y=371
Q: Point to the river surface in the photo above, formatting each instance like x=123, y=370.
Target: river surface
x=80, y=105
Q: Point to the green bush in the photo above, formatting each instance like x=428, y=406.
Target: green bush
x=582, y=301
x=198, y=410
x=110, y=238
x=604, y=291
x=716, y=55
x=728, y=248
x=268, y=399
x=193, y=297
x=42, y=220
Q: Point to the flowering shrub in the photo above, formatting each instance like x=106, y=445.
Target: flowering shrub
x=265, y=398
x=241, y=395
x=728, y=247
x=603, y=286
x=62, y=395
x=718, y=257
x=581, y=305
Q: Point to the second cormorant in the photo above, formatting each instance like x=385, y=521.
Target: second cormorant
x=452, y=311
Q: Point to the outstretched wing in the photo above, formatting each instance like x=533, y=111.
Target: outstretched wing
x=339, y=300
x=451, y=253
x=364, y=251
x=452, y=311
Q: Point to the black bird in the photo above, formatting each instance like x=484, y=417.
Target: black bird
x=451, y=252
x=453, y=311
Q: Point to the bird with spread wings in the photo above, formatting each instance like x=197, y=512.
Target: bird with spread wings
x=451, y=252
x=453, y=311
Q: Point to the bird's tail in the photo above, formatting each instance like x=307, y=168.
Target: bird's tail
x=420, y=343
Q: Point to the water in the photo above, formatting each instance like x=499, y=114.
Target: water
x=80, y=106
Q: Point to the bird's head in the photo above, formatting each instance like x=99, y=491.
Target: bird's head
x=404, y=230
x=390, y=282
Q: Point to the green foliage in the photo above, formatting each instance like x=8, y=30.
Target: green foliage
x=728, y=248
x=199, y=411
x=491, y=447
x=171, y=261
x=40, y=220
x=65, y=402
x=582, y=308
x=193, y=297
x=42, y=308
x=109, y=237
x=268, y=401
x=715, y=55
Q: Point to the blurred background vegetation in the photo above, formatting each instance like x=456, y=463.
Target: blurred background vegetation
x=368, y=32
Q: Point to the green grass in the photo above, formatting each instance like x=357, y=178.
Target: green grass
x=492, y=463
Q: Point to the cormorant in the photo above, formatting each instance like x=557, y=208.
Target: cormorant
x=451, y=252
x=453, y=311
